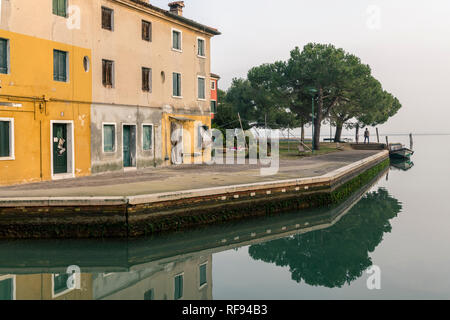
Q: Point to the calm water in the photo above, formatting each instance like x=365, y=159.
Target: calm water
x=400, y=223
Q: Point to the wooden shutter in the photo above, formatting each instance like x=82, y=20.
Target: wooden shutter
x=146, y=31
x=109, y=137
x=59, y=65
x=148, y=137
x=4, y=138
x=59, y=7
x=175, y=84
x=145, y=79
x=107, y=18
x=107, y=73
x=3, y=56
x=201, y=88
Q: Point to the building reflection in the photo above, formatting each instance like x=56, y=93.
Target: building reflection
x=183, y=280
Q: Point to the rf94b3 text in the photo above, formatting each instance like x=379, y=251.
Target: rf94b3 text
x=247, y=310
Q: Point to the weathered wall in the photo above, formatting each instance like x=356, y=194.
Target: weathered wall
x=112, y=161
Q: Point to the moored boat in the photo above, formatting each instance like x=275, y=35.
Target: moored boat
x=399, y=151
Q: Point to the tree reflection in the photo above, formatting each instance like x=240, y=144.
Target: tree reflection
x=339, y=254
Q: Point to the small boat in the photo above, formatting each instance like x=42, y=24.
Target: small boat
x=399, y=151
x=402, y=164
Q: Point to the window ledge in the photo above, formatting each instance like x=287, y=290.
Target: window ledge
x=177, y=50
x=7, y=158
x=177, y=97
x=202, y=57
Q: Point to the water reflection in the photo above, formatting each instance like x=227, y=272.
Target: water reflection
x=400, y=164
x=338, y=255
x=327, y=247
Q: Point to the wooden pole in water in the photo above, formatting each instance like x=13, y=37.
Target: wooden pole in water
x=411, y=142
x=387, y=142
x=378, y=136
x=289, y=140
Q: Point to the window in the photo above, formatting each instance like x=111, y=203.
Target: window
x=149, y=295
x=86, y=64
x=109, y=138
x=146, y=31
x=178, y=287
x=203, y=279
x=201, y=88
x=7, y=289
x=201, y=47
x=108, y=73
x=146, y=79
x=213, y=85
x=147, y=137
x=213, y=106
x=176, y=40
x=6, y=139
x=4, y=56
x=60, y=283
x=60, y=66
x=60, y=8
x=107, y=19
x=176, y=84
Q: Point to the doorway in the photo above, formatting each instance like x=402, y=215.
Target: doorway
x=62, y=149
x=129, y=146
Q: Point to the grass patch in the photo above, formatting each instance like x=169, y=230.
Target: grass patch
x=289, y=150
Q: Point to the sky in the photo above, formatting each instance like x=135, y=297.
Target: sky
x=406, y=43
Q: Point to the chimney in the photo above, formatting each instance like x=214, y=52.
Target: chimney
x=177, y=7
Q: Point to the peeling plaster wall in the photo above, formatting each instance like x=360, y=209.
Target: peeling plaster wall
x=119, y=115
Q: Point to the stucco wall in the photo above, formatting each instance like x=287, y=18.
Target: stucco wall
x=119, y=115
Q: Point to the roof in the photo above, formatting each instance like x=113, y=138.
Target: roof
x=182, y=19
x=215, y=76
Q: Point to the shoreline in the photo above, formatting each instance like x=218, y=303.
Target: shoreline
x=143, y=215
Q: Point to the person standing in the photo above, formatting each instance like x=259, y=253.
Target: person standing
x=367, y=136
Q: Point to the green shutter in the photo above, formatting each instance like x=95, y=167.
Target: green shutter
x=60, y=283
x=60, y=7
x=201, y=88
x=203, y=280
x=177, y=85
x=178, y=287
x=147, y=137
x=5, y=149
x=6, y=289
x=3, y=56
x=59, y=65
x=55, y=6
x=175, y=40
x=109, y=137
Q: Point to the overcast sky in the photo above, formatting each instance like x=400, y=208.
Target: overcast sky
x=406, y=43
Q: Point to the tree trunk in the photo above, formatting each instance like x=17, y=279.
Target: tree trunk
x=302, y=138
x=357, y=133
x=318, y=121
x=338, y=135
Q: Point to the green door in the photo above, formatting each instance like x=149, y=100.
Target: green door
x=59, y=148
x=126, y=146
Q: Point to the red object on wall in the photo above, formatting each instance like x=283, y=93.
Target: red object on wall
x=214, y=93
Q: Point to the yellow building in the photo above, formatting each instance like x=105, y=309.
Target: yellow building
x=94, y=86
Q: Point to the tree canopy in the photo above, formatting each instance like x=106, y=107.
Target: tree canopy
x=280, y=94
x=338, y=255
